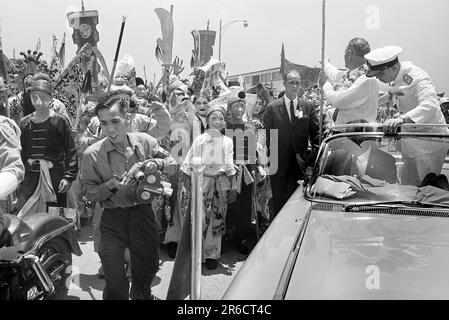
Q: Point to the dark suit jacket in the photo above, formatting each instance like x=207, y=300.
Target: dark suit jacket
x=293, y=138
x=380, y=165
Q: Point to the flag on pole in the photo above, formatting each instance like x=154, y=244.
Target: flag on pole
x=55, y=67
x=309, y=76
x=69, y=85
x=203, y=42
x=195, y=61
x=283, y=61
x=207, y=42
x=164, y=46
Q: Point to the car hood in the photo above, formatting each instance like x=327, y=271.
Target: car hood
x=347, y=255
x=260, y=275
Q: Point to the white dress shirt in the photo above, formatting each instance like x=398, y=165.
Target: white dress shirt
x=287, y=105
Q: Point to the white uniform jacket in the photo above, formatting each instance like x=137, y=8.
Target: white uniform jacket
x=417, y=97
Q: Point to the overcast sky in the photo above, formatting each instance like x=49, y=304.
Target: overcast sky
x=420, y=27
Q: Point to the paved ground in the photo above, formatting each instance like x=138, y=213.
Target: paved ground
x=85, y=284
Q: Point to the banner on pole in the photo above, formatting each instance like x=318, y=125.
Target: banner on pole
x=195, y=61
x=68, y=87
x=164, y=45
x=55, y=68
x=85, y=32
x=309, y=75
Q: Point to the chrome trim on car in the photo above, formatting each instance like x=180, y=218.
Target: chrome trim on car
x=286, y=274
x=380, y=125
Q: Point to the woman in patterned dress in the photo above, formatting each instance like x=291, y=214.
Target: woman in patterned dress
x=216, y=152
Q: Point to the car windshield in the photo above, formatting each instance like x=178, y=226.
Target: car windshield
x=369, y=167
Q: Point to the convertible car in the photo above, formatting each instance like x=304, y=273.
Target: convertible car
x=372, y=223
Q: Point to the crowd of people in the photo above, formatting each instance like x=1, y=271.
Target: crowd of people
x=252, y=158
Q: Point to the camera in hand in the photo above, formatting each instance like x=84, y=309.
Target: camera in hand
x=139, y=175
x=151, y=185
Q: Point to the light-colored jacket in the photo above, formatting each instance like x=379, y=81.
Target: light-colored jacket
x=416, y=96
x=352, y=93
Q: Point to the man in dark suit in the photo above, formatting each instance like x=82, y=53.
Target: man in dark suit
x=297, y=124
x=361, y=161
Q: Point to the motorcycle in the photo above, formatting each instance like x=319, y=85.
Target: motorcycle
x=36, y=257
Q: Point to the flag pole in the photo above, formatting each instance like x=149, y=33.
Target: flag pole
x=197, y=236
x=145, y=75
x=117, y=53
x=38, y=45
x=62, y=51
x=323, y=39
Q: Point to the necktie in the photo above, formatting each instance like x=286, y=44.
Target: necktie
x=292, y=111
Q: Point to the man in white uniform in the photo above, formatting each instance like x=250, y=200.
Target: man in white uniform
x=417, y=102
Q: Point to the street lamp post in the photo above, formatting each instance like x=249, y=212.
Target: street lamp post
x=222, y=29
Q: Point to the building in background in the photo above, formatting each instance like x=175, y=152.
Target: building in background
x=271, y=78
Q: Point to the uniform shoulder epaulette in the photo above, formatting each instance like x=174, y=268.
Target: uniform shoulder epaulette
x=407, y=79
x=10, y=131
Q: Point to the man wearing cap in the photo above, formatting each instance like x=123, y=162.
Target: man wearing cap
x=47, y=143
x=20, y=105
x=297, y=123
x=417, y=102
x=354, y=96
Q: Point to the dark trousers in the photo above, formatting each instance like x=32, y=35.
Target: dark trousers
x=239, y=214
x=284, y=186
x=134, y=228
x=29, y=184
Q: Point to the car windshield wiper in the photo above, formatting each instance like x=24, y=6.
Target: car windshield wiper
x=353, y=206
